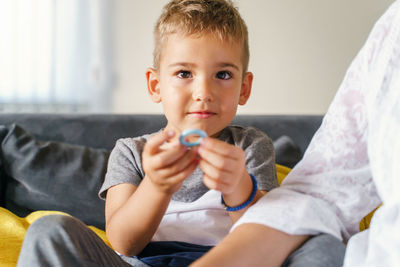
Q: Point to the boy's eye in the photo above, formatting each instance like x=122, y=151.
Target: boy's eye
x=224, y=75
x=184, y=74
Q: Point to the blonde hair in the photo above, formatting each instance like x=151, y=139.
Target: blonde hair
x=196, y=17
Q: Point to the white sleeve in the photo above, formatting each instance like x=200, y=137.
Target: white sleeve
x=380, y=244
x=332, y=188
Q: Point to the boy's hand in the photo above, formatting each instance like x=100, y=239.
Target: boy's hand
x=224, y=166
x=167, y=166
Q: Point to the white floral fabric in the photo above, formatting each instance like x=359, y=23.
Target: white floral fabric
x=353, y=162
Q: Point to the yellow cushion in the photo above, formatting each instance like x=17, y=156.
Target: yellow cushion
x=13, y=229
x=364, y=224
x=281, y=172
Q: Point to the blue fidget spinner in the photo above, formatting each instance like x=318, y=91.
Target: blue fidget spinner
x=196, y=132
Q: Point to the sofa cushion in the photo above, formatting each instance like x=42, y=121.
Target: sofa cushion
x=3, y=133
x=52, y=176
x=13, y=229
x=287, y=153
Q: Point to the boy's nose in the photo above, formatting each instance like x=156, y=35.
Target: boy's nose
x=203, y=91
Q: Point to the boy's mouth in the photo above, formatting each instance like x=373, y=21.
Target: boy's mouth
x=202, y=114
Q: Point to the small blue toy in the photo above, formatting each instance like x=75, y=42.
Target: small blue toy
x=195, y=132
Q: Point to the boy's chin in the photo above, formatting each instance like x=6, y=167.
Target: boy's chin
x=216, y=134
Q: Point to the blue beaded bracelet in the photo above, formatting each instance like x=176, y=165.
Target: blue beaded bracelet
x=245, y=204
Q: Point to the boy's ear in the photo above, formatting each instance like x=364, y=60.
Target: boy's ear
x=153, y=84
x=246, y=88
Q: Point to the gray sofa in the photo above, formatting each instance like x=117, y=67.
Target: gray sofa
x=58, y=161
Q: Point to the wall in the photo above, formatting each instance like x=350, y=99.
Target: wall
x=300, y=51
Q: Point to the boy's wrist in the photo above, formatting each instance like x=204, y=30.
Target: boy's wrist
x=244, y=190
x=153, y=187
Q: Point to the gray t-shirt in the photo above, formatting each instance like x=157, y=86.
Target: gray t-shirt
x=125, y=163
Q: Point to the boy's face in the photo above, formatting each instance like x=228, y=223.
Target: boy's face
x=200, y=82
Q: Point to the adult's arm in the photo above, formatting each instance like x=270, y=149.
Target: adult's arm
x=247, y=246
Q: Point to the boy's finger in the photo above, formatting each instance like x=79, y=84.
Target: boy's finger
x=213, y=172
x=167, y=157
x=220, y=147
x=180, y=166
x=211, y=183
x=179, y=177
x=153, y=143
x=218, y=161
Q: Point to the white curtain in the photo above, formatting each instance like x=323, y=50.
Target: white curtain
x=55, y=55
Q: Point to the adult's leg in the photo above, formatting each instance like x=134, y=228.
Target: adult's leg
x=319, y=251
x=58, y=240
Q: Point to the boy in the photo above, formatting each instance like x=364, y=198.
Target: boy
x=200, y=76
x=183, y=200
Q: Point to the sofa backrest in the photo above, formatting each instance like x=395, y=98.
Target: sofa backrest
x=58, y=161
x=102, y=130
x=300, y=128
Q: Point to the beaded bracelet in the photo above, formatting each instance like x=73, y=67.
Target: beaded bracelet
x=245, y=204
